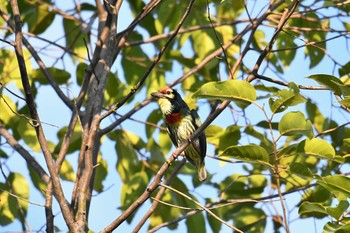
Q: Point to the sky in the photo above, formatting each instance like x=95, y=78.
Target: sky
x=104, y=204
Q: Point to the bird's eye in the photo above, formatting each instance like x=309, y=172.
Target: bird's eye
x=168, y=92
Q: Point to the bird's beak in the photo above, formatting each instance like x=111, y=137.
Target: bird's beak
x=157, y=95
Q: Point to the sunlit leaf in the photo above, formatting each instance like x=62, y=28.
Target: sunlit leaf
x=75, y=38
x=337, y=211
x=315, y=115
x=28, y=134
x=203, y=44
x=317, y=147
x=7, y=215
x=67, y=172
x=39, y=184
x=214, y=224
x=60, y=76
x=19, y=187
x=251, y=219
x=224, y=138
x=332, y=227
x=241, y=92
x=286, y=46
x=283, y=99
x=132, y=189
x=294, y=123
x=127, y=157
x=135, y=64
x=312, y=208
x=318, y=208
x=337, y=184
x=344, y=70
x=301, y=170
x=8, y=109
x=253, y=153
x=39, y=19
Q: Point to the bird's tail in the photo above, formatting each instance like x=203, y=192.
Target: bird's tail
x=202, y=172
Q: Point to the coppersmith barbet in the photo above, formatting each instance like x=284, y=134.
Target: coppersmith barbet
x=181, y=122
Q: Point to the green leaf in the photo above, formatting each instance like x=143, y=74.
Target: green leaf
x=265, y=142
x=252, y=153
x=339, y=210
x=328, y=81
x=317, y=147
x=214, y=224
x=101, y=172
x=283, y=99
x=28, y=134
x=7, y=203
x=241, y=92
x=19, y=187
x=250, y=219
x=132, y=189
x=203, y=44
x=7, y=109
x=196, y=223
x=66, y=172
x=345, y=101
x=60, y=76
x=224, y=138
x=301, y=170
x=285, y=45
x=75, y=38
x=39, y=19
x=39, y=184
x=344, y=70
x=294, y=123
x=331, y=227
x=80, y=72
x=312, y=209
x=135, y=63
x=314, y=114
x=337, y=184
x=75, y=139
x=127, y=157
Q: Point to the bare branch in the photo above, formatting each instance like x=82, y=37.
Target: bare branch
x=67, y=214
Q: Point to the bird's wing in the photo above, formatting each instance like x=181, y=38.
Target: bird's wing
x=202, y=139
x=171, y=135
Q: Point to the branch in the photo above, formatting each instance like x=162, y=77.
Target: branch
x=158, y=196
x=285, y=16
x=67, y=214
x=24, y=153
x=202, y=207
x=41, y=64
x=271, y=80
x=222, y=203
x=155, y=62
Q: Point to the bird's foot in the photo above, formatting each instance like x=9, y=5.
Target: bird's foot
x=171, y=159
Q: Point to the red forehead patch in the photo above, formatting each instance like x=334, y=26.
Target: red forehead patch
x=163, y=90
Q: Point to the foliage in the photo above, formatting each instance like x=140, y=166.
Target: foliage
x=277, y=140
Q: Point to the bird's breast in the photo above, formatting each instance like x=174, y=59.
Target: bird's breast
x=173, y=118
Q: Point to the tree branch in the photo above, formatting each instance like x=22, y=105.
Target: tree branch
x=67, y=214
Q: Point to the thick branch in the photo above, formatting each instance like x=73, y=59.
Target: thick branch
x=67, y=214
x=24, y=153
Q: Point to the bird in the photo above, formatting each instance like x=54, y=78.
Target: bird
x=181, y=122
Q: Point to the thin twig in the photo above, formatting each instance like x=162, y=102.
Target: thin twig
x=202, y=207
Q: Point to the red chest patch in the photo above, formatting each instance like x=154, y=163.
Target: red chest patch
x=173, y=118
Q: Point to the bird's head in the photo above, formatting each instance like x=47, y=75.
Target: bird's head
x=169, y=100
